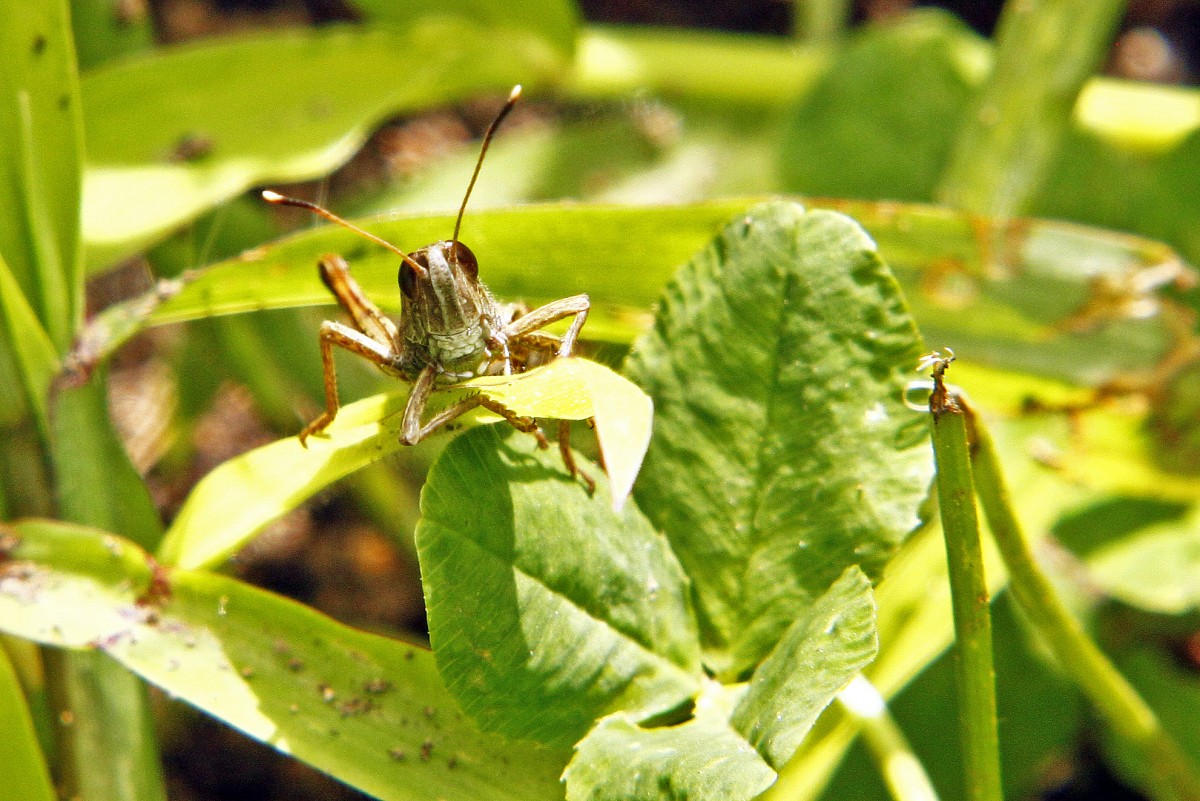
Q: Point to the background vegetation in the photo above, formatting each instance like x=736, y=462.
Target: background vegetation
x=134, y=251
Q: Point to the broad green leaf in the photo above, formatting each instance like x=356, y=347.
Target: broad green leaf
x=1142, y=551
x=237, y=499
x=314, y=98
x=31, y=348
x=880, y=123
x=825, y=647
x=25, y=773
x=40, y=172
x=368, y=710
x=551, y=23
x=738, y=733
x=783, y=452
x=546, y=609
x=703, y=759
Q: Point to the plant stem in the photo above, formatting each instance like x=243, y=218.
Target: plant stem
x=1045, y=51
x=1117, y=702
x=819, y=21
x=974, y=674
x=901, y=770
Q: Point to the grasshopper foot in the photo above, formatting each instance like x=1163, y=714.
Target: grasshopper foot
x=564, y=448
x=315, y=427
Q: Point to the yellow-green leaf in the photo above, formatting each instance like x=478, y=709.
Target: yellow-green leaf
x=233, y=503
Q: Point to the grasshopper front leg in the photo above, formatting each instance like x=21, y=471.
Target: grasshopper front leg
x=526, y=326
x=413, y=432
x=375, y=339
x=343, y=336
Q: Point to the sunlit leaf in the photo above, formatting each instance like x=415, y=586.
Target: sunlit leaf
x=1046, y=297
x=782, y=449
x=1143, y=551
x=238, y=498
x=233, y=502
x=703, y=759
x=620, y=256
x=577, y=389
x=547, y=610
x=368, y=710
x=825, y=647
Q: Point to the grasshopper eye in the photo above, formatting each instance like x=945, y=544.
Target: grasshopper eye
x=408, y=276
x=461, y=255
x=408, y=279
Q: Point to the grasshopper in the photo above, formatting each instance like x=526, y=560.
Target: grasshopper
x=451, y=327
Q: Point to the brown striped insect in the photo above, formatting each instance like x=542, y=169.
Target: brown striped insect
x=451, y=328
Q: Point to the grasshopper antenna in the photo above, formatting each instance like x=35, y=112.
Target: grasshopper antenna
x=513, y=97
x=284, y=200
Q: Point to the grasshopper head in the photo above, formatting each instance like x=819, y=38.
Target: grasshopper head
x=440, y=284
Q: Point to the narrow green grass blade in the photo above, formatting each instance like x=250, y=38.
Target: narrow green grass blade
x=95, y=481
x=26, y=776
x=1045, y=51
x=1052, y=298
x=31, y=348
x=110, y=750
x=974, y=670
x=40, y=172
